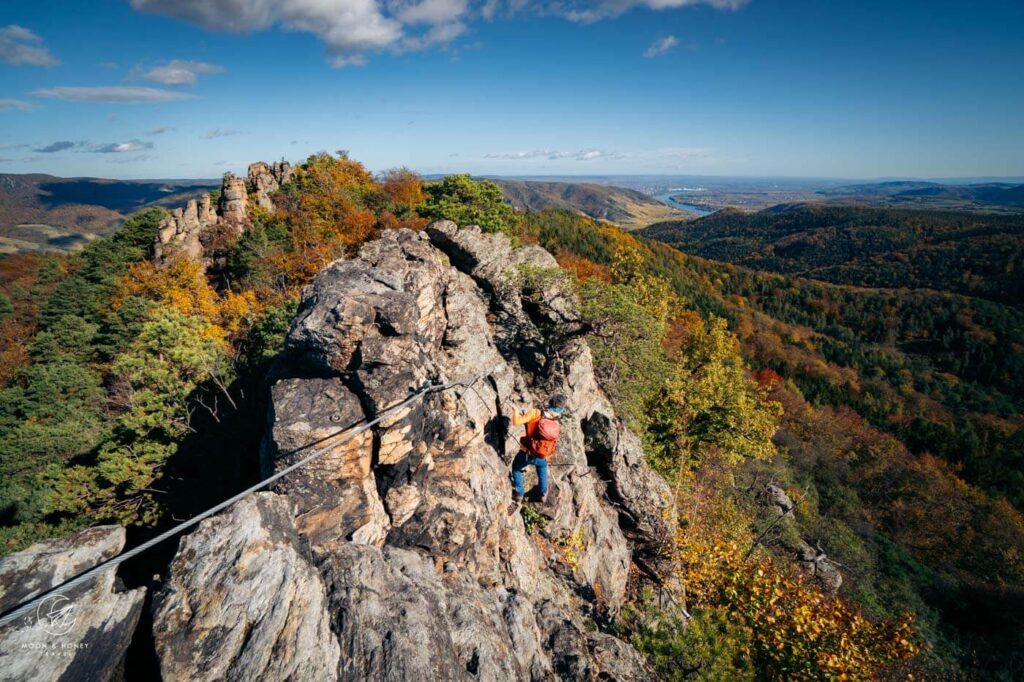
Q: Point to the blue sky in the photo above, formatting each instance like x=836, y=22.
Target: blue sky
x=193, y=88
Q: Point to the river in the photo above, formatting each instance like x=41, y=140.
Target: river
x=689, y=208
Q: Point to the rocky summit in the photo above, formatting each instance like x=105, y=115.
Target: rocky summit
x=397, y=555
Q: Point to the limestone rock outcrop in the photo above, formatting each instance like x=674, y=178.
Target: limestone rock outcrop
x=194, y=229
x=242, y=585
x=233, y=207
x=816, y=564
x=265, y=179
x=812, y=560
x=81, y=634
x=182, y=230
x=396, y=556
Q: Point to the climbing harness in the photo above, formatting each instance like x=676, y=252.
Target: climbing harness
x=352, y=431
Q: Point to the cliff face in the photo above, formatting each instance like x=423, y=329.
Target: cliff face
x=396, y=555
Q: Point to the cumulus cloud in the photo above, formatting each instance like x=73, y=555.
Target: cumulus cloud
x=121, y=147
x=180, y=72
x=55, y=147
x=18, y=45
x=661, y=46
x=111, y=93
x=221, y=132
x=351, y=29
x=348, y=28
x=14, y=105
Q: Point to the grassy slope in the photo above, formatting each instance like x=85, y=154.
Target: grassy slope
x=625, y=207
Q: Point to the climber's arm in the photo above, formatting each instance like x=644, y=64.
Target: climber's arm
x=520, y=418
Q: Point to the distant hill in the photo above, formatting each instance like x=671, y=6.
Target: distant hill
x=909, y=193
x=968, y=253
x=627, y=208
x=39, y=212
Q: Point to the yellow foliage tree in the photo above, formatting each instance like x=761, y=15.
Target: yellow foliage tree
x=180, y=285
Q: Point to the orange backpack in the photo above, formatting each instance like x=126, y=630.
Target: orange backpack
x=543, y=439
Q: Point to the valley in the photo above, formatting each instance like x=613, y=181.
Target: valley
x=44, y=212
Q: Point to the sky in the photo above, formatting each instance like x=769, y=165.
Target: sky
x=810, y=88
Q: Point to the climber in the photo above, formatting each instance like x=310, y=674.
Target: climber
x=543, y=428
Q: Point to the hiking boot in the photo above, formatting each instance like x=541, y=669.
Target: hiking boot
x=543, y=499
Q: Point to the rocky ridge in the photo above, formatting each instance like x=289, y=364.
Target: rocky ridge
x=395, y=556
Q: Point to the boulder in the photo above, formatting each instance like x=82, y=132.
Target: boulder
x=816, y=564
x=80, y=634
x=241, y=587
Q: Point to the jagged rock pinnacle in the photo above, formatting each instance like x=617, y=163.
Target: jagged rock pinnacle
x=192, y=230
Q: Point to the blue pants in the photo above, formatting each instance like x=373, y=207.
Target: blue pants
x=524, y=459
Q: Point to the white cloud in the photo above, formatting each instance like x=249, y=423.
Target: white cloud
x=18, y=45
x=587, y=11
x=180, y=72
x=669, y=157
x=661, y=46
x=121, y=147
x=549, y=155
x=15, y=105
x=220, y=132
x=352, y=29
x=348, y=28
x=111, y=93
x=429, y=11
x=518, y=156
x=593, y=154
